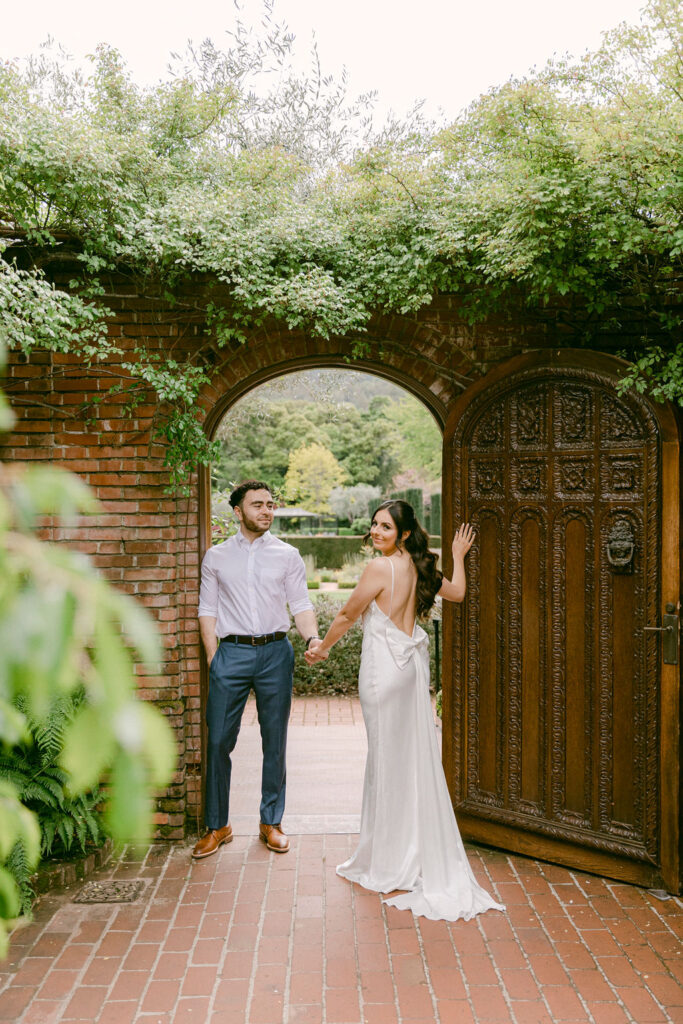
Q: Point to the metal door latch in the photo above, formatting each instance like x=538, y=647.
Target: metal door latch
x=669, y=631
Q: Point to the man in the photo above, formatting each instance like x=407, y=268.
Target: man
x=247, y=583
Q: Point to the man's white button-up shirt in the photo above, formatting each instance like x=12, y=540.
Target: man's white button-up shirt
x=247, y=586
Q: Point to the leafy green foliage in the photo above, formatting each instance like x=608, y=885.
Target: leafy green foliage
x=353, y=503
x=257, y=436
x=420, y=442
x=312, y=473
x=64, y=631
x=435, y=515
x=35, y=313
x=223, y=521
x=557, y=196
x=567, y=184
x=414, y=496
x=658, y=372
x=32, y=767
x=19, y=853
x=327, y=552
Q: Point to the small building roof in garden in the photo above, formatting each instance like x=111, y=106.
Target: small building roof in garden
x=294, y=513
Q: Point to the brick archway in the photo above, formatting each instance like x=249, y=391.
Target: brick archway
x=396, y=376
x=409, y=383
x=148, y=541
x=256, y=363
x=419, y=359
x=425, y=360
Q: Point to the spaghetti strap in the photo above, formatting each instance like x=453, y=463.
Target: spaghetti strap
x=391, y=598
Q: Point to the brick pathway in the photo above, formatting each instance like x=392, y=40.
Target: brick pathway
x=250, y=937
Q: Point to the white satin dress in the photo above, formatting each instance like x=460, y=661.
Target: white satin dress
x=409, y=838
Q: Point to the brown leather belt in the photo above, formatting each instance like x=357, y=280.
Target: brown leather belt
x=253, y=641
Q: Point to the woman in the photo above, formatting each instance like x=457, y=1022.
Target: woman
x=409, y=838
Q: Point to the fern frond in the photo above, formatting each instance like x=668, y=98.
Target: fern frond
x=53, y=771
x=93, y=827
x=81, y=832
x=65, y=831
x=15, y=760
x=35, y=793
x=18, y=866
x=48, y=836
x=42, y=784
x=17, y=775
x=49, y=734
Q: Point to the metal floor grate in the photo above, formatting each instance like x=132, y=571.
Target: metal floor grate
x=111, y=891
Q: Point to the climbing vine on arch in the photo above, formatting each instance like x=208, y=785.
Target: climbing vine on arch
x=559, y=191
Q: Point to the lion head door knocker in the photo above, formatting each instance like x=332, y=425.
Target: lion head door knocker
x=621, y=546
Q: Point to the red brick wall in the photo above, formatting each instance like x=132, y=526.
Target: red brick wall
x=147, y=542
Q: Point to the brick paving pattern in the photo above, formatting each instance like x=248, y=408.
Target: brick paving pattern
x=250, y=937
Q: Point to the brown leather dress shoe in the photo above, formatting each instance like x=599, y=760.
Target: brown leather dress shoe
x=274, y=838
x=209, y=843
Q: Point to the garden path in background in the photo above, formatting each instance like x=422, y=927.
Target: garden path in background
x=250, y=937
x=326, y=750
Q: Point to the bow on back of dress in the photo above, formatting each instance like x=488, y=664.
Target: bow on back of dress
x=401, y=646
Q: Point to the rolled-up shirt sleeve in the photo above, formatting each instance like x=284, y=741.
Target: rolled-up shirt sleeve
x=295, y=585
x=208, y=590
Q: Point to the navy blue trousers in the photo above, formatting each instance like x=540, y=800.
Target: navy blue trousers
x=235, y=670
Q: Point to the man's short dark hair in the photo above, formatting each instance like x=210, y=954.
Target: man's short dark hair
x=237, y=496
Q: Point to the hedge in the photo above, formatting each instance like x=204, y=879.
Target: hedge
x=329, y=552
x=414, y=497
x=332, y=552
x=339, y=674
x=435, y=514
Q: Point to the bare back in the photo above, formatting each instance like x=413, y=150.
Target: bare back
x=400, y=605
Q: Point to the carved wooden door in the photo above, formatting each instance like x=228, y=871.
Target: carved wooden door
x=561, y=735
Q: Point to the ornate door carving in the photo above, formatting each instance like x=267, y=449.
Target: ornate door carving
x=560, y=720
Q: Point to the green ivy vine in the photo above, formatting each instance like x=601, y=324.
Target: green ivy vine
x=561, y=191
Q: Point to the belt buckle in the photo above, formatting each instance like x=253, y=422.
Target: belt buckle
x=253, y=641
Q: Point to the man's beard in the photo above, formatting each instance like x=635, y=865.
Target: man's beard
x=254, y=526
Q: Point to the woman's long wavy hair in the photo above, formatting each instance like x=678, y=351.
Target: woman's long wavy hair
x=415, y=539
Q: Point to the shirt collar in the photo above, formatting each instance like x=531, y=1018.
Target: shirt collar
x=260, y=541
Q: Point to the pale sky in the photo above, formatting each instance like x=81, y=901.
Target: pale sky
x=444, y=51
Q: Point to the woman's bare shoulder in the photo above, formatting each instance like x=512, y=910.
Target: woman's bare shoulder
x=376, y=569
x=405, y=565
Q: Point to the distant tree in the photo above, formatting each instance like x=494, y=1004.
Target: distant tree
x=366, y=444
x=353, y=502
x=257, y=438
x=419, y=439
x=313, y=472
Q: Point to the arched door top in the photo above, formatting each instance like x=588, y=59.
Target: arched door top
x=587, y=365
x=413, y=385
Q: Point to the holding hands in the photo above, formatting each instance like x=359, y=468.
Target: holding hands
x=312, y=656
x=462, y=541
